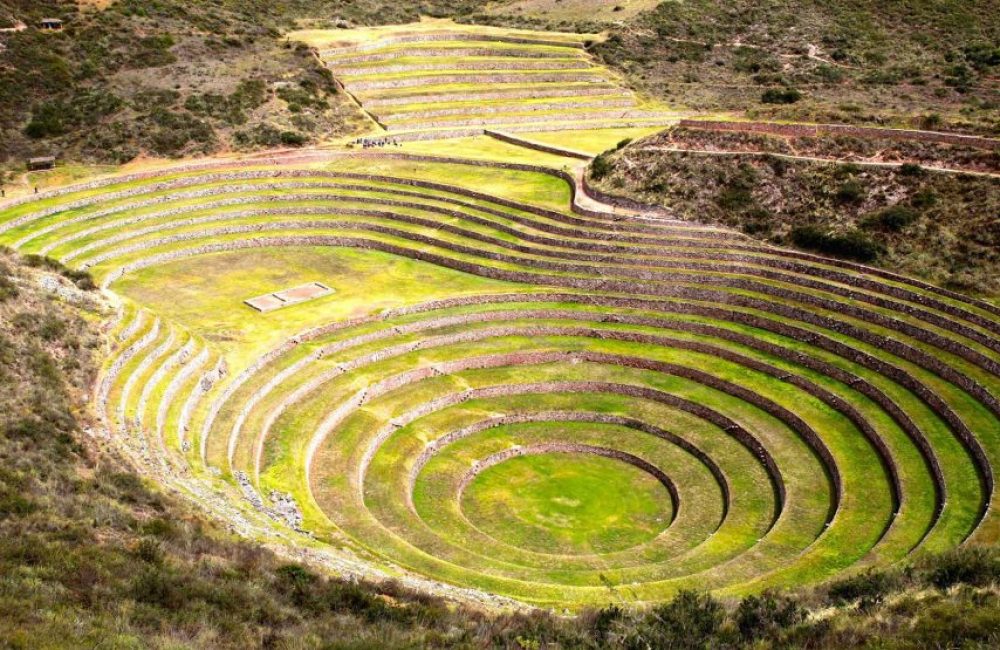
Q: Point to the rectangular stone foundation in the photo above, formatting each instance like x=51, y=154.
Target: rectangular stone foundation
x=287, y=297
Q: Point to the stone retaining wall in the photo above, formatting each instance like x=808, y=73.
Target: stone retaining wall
x=573, y=448
x=521, y=417
x=499, y=93
x=938, y=341
x=793, y=332
x=811, y=437
x=855, y=382
x=140, y=369
x=486, y=79
x=424, y=52
x=792, y=254
x=537, y=146
x=116, y=367
x=443, y=37
x=964, y=381
x=468, y=64
x=492, y=109
x=742, y=260
x=191, y=363
x=814, y=130
x=623, y=116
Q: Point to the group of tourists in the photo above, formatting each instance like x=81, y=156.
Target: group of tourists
x=369, y=143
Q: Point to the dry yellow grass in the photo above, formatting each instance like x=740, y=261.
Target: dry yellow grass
x=602, y=10
x=326, y=38
x=95, y=5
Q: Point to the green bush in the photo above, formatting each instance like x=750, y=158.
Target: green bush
x=891, y=219
x=765, y=616
x=971, y=565
x=780, y=96
x=852, y=245
x=849, y=192
x=47, y=120
x=690, y=621
x=292, y=138
x=924, y=198
x=601, y=166
x=871, y=586
x=737, y=193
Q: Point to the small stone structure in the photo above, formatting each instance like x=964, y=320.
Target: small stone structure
x=41, y=163
x=295, y=295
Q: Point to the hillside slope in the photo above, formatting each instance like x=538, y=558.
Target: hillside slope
x=938, y=225
x=170, y=78
x=902, y=62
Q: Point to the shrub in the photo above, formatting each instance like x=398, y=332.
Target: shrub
x=892, y=219
x=149, y=550
x=737, y=193
x=853, y=245
x=293, y=138
x=690, y=621
x=47, y=120
x=911, y=169
x=924, y=199
x=601, y=166
x=849, y=192
x=152, y=52
x=157, y=587
x=760, y=617
x=734, y=198
x=780, y=96
x=296, y=575
x=971, y=565
x=871, y=586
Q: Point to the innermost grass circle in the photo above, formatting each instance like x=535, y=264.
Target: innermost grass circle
x=568, y=503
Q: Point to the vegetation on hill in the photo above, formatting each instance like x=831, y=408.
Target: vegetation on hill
x=171, y=78
x=940, y=226
x=912, y=62
x=906, y=61
x=226, y=77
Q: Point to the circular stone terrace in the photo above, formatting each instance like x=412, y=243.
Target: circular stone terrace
x=506, y=392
